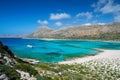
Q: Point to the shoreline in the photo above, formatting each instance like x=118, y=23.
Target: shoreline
x=31, y=61
x=105, y=54
x=52, y=39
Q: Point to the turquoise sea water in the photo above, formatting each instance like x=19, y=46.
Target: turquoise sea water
x=55, y=50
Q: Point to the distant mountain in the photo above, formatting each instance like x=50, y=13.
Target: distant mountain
x=78, y=32
x=41, y=32
x=11, y=36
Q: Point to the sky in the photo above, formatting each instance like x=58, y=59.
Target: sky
x=25, y=16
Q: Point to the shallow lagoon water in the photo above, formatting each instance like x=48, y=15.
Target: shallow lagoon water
x=55, y=50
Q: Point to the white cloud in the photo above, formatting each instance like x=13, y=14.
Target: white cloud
x=98, y=4
x=101, y=23
x=44, y=22
x=88, y=15
x=108, y=7
x=59, y=16
x=87, y=24
x=58, y=24
x=117, y=17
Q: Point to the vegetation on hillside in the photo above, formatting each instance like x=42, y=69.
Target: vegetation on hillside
x=94, y=32
x=105, y=36
x=9, y=64
x=93, y=70
x=10, y=72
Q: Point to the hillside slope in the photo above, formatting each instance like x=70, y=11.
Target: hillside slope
x=13, y=68
x=107, y=32
x=42, y=32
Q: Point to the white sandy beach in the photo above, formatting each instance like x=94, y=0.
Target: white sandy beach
x=32, y=61
x=106, y=54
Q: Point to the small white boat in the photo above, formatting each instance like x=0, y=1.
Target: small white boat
x=29, y=46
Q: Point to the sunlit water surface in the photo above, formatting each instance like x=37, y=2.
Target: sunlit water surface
x=56, y=50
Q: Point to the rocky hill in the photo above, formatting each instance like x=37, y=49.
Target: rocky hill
x=78, y=32
x=13, y=68
x=42, y=32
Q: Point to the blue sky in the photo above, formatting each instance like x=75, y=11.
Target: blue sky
x=25, y=16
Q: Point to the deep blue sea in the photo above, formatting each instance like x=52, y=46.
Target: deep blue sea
x=55, y=50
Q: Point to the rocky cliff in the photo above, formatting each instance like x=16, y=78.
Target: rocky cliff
x=13, y=68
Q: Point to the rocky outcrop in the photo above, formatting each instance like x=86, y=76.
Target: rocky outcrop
x=25, y=75
x=6, y=56
x=3, y=77
x=8, y=69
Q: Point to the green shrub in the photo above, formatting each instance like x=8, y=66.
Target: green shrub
x=27, y=68
x=10, y=72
